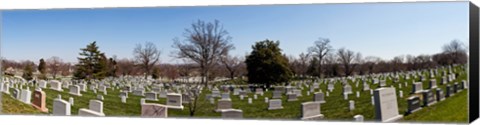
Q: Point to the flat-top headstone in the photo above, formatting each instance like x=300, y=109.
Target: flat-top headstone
x=152, y=96
x=154, y=110
x=277, y=94
x=232, y=114
x=223, y=104
x=311, y=111
x=275, y=104
x=428, y=98
x=292, y=97
x=449, y=91
x=413, y=104
x=139, y=92
x=386, y=106
x=417, y=88
x=174, y=100
x=319, y=97
x=39, y=101
x=225, y=95
x=440, y=95
x=432, y=84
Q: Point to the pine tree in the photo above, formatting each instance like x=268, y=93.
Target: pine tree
x=92, y=64
x=28, y=72
x=42, y=68
x=266, y=65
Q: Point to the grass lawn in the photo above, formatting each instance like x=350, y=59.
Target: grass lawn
x=452, y=109
x=15, y=107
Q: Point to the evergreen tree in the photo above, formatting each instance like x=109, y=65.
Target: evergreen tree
x=28, y=72
x=313, y=67
x=92, y=64
x=156, y=73
x=266, y=65
x=42, y=68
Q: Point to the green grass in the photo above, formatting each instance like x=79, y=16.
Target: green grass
x=335, y=108
x=15, y=107
x=454, y=110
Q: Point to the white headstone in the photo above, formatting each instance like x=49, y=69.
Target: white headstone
x=61, y=107
x=71, y=101
x=386, y=106
x=275, y=104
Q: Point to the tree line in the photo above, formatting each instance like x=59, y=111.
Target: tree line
x=205, y=46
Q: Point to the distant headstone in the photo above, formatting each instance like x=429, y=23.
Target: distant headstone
x=139, y=92
x=152, y=96
x=100, y=97
x=449, y=91
x=16, y=93
x=277, y=94
x=347, y=89
x=417, y=88
x=125, y=94
x=319, y=97
x=439, y=94
x=56, y=85
x=71, y=101
x=352, y=105
x=175, y=100
x=75, y=90
x=123, y=99
x=292, y=97
x=275, y=104
x=428, y=98
x=432, y=84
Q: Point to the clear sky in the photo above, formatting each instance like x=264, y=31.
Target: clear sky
x=375, y=29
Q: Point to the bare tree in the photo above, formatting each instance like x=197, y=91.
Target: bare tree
x=147, y=56
x=204, y=44
x=303, y=60
x=125, y=67
x=370, y=62
x=457, y=51
x=397, y=63
x=54, y=65
x=320, y=50
x=346, y=58
x=232, y=64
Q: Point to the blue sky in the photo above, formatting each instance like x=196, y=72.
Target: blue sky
x=374, y=29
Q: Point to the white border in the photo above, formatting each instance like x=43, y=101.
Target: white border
x=49, y=4
x=57, y=4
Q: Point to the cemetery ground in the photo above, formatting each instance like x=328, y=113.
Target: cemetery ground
x=336, y=108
